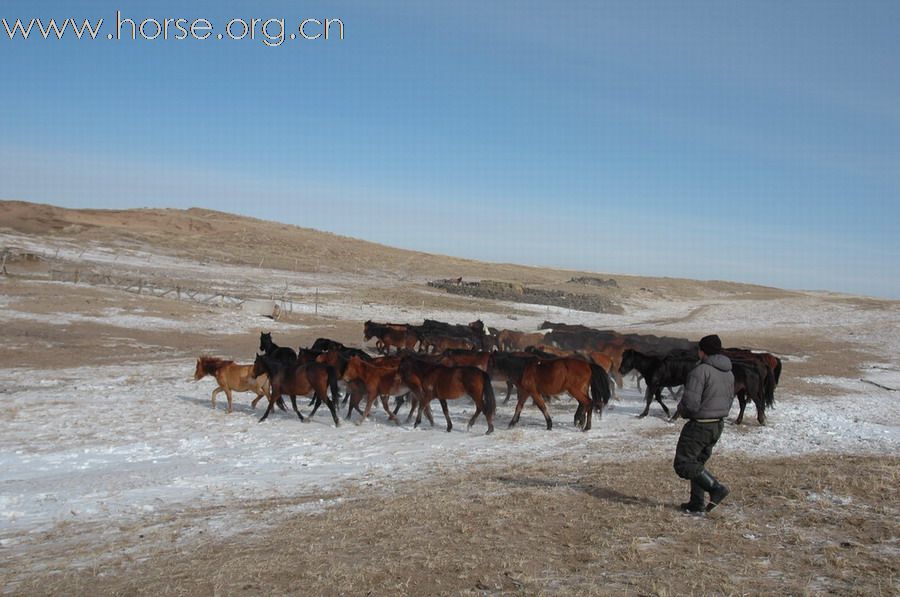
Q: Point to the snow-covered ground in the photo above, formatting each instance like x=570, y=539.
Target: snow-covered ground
x=99, y=443
x=108, y=443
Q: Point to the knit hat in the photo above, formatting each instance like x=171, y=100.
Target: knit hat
x=711, y=344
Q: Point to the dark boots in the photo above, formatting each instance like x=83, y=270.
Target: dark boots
x=697, y=504
x=708, y=483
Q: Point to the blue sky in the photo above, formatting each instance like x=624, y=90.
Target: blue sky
x=755, y=142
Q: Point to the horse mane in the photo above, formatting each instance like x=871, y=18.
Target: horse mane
x=210, y=365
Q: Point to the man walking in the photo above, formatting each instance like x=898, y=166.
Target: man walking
x=707, y=399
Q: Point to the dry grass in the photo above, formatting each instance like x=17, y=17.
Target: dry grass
x=791, y=526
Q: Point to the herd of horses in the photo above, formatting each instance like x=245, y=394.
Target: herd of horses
x=437, y=360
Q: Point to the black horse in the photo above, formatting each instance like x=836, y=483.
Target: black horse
x=659, y=371
x=281, y=353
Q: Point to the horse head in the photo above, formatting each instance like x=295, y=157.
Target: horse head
x=199, y=371
x=265, y=341
x=627, y=363
x=260, y=366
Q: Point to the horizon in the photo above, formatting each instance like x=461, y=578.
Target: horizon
x=753, y=144
x=511, y=263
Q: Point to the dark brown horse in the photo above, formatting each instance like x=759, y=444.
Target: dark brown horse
x=509, y=367
x=449, y=383
x=587, y=383
x=299, y=379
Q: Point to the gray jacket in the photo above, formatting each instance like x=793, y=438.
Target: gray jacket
x=709, y=389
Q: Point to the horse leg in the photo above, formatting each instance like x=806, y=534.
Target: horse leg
x=330, y=404
x=509, y=386
x=398, y=402
x=316, y=402
x=370, y=400
x=268, y=409
x=385, y=404
x=297, y=410
x=213, y=397
x=648, y=398
x=228, y=395
x=522, y=396
x=356, y=395
x=760, y=409
x=447, y=415
x=661, y=403
x=584, y=405
x=742, y=400
x=479, y=407
x=618, y=378
x=413, y=404
x=419, y=412
x=539, y=401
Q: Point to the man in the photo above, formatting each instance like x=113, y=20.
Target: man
x=707, y=399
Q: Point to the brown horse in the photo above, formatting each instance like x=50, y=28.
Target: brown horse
x=398, y=335
x=577, y=377
x=439, y=344
x=376, y=381
x=232, y=377
x=299, y=379
x=510, y=340
x=449, y=383
x=600, y=358
x=465, y=358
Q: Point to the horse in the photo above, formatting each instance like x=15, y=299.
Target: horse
x=390, y=334
x=282, y=353
x=449, y=383
x=597, y=358
x=545, y=377
x=508, y=367
x=769, y=361
x=232, y=377
x=465, y=358
x=440, y=343
x=376, y=381
x=750, y=380
x=671, y=371
x=299, y=379
x=510, y=340
x=646, y=365
x=323, y=345
x=412, y=370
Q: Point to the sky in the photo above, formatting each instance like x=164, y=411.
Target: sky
x=747, y=141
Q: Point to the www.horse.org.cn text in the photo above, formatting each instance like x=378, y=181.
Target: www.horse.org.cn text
x=271, y=32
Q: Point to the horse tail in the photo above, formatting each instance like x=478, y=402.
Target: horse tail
x=770, y=387
x=600, y=393
x=777, y=370
x=487, y=395
x=332, y=383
